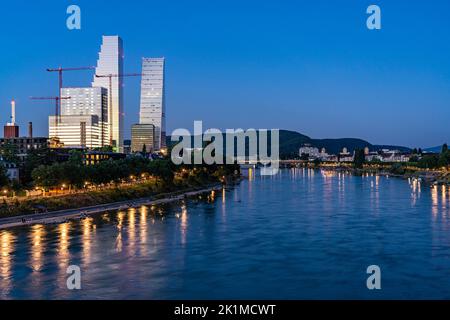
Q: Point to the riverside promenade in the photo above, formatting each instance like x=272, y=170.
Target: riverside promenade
x=79, y=213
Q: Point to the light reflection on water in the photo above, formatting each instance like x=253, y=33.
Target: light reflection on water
x=6, y=251
x=302, y=234
x=143, y=228
x=87, y=240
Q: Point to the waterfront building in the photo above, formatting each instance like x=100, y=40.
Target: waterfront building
x=24, y=145
x=143, y=135
x=345, y=156
x=386, y=155
x=110, y=67
x=12, y=170
x=323, y=155
x=309, y=151
x=152, y=106
x=394, y=156
x=332, y=158
x=88, y=101
x=83, y=131
x=95, y=157
x=373, y=156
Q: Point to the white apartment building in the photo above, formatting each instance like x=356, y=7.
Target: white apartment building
x=312, y=152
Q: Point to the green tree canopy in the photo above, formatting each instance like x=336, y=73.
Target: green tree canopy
x=359, y=159
x=9, y=152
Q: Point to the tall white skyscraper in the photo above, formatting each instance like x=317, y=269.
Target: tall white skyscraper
x=153, y=109
x=110, y=62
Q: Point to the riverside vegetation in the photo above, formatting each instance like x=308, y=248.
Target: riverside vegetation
x=108, y=181
x=431, y=168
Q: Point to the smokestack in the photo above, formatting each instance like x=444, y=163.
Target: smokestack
x=30, y=130
x=11, y=130
x=13, y=112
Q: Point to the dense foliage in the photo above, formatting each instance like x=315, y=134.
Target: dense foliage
x=359, y=159
x=107, y=181
x=75, y=174
x=433, y=161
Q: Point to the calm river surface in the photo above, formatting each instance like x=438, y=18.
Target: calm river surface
x=302, y=234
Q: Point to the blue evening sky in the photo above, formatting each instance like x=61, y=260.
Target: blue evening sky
x=309, y=66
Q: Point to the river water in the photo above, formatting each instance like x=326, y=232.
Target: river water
x=302, y=234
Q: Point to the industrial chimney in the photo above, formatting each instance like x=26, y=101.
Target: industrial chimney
x=11, y=130
x=13, y=112
x=30, y=130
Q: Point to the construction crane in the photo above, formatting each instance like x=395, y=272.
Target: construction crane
x=57, y=107
x=110, y=76
x=60, y=71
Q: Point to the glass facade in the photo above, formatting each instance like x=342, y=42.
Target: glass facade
x=110, y=62
x=152, y=107
x=142, y=135
x=88, y=101
x=77, y=130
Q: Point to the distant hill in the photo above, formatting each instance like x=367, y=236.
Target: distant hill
x=335, y=146
x=292, y=141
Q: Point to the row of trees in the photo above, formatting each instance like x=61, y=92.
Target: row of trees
x=359, y=158
x=427, y=161
x=47, y=168
x=433, y=161
x=35, y=158
x=75, y=174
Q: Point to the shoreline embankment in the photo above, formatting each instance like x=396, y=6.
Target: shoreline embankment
x=62, y=216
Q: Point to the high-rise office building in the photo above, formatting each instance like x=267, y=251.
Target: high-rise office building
x=142, y=135
x=110, y=62
x=76, y=131
x=152, y=108
x=88, y=101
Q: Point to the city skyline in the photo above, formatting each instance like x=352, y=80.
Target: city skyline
x=241, y=74
x=217, y=159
